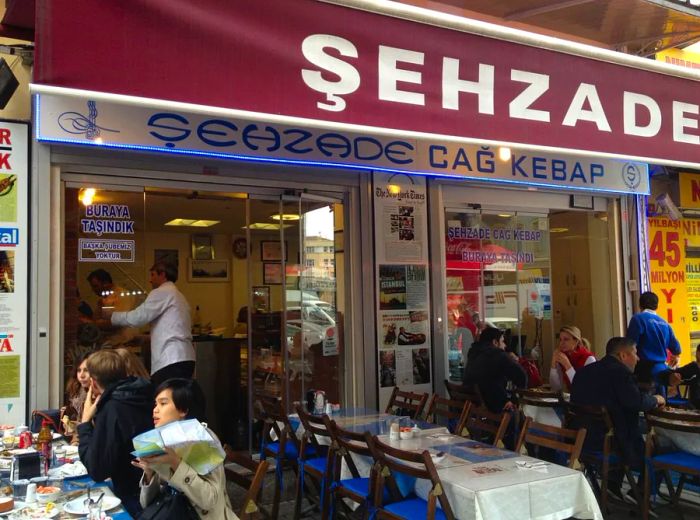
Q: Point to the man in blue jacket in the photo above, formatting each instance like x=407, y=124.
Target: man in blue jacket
x=653, y=336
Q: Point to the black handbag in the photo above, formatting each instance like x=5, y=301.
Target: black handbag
x=170, y=504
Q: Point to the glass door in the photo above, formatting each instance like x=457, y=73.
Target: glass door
x=497, y=275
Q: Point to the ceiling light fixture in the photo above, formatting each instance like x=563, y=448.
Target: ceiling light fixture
x=285, y=216
x=87, y=195
x=192, y=222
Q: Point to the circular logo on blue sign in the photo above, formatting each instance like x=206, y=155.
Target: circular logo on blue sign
x=631, y=175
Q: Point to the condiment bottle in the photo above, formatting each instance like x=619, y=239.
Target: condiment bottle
x=44, y=444
x=394, y=431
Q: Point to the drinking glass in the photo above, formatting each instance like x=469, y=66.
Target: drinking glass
x=94, y=511
x=8, y=441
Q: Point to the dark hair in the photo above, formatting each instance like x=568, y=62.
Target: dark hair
x=187, y=397
x=618, y=344
x=242, y=315
x=649, y=300
x=490, y=334
x=102, y=275
x=169, y=269
x=106, y=367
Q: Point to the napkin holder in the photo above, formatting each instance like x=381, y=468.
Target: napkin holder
x=25, y=465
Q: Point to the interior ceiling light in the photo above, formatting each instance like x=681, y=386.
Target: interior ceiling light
x=192, y=222
x=505, y=215
x=264, y=226
x=558, y=229
x=87, y=195
x=285, y=216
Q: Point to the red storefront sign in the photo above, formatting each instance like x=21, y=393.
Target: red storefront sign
x=327, y=62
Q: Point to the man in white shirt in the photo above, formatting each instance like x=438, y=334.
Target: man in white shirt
x=167, y=310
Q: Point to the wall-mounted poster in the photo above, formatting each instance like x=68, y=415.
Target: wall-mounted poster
x=14, y=288
x=403, y=294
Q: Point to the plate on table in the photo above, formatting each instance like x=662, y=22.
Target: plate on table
x=34, y=511
x=78, y=507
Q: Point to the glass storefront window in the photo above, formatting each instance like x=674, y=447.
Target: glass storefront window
x=263, y=279
x=528, y=274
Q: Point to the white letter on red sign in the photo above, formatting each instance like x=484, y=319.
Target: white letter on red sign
x=390, y=75
x=587, y=92
x=680, y=122
x=520, y=106
x=452, y=86
x=313, y=49
x=629, y=108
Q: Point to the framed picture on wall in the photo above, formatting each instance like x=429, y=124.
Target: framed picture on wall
x=202, y=247
x=208, y=270
x=261, y=298
x=272, y=274
x=271, y=250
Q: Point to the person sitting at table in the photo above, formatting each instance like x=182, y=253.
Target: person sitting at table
x=690, y=374
x=134, y=366
x=491, y=368
x=121, y=410
x=572, y=353
x=178, y=399
x=76, y=393
x=611, y=383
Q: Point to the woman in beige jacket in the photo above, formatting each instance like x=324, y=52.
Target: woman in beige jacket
x=178, y=399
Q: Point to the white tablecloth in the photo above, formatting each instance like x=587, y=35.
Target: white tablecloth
x=542, y=414
x=547, y=493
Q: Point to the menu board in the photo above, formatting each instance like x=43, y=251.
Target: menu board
x=14, y=290
x=403, y=292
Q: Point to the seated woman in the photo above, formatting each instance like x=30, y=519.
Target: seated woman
x=178, y=399
x=76, y=393
x=572, y=354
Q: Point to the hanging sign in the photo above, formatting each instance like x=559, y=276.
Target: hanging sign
x=14, y=288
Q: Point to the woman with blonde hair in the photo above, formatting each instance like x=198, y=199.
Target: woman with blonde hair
x=134, y=366
x=572, y=354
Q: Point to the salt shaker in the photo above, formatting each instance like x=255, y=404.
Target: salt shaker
x=329, y=408
x=394, y=431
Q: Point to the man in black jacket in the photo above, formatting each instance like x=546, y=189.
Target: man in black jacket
x=122, y=409
x=610, y=382
x=491, y=368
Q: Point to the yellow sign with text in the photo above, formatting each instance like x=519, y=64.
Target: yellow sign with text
x=689, y=184
x=667, y=266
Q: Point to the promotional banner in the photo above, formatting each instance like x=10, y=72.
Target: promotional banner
x=667, y=264
x=403, y=293
x=376, y=65
x=14, y=289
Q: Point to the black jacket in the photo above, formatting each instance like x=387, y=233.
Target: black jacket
x=691, y=375
x=610, y=383
x=124, y=410
x=490, y=368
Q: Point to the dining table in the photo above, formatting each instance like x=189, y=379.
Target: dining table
x=480, y=481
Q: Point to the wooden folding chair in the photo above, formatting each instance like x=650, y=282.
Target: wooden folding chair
x=459, y=392
x=315, y=460
x=486, y=426
x=561, y=440
x=687, y=464
x=406, y=403
x=278, y=441
x=251, y=507
x=599, y=460
x=391, y=461
x=453, y=412
x=356, y=487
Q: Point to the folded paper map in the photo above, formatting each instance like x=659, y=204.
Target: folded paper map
x=191, y=441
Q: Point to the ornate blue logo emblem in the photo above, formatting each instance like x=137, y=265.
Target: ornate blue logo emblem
x=631, y=175
x=79, y=124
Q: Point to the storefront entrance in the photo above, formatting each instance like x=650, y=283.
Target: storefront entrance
x=528, y=272
x=262, y=272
